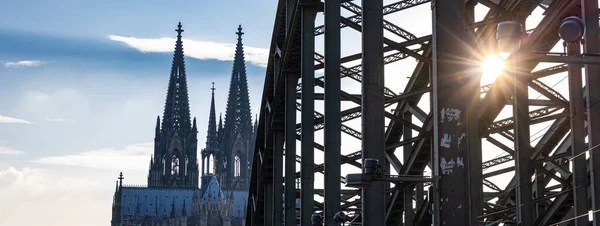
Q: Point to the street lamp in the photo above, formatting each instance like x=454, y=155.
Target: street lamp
x=509, y=36
x=316, y=219
x=339, y=218
x=572, y=29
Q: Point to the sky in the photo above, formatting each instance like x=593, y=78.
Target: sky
x=81, y=84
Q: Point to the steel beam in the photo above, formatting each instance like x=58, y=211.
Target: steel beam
x=308, y=108
x=409, y=214
x=592, y=95
x=577, y=116
x=332, y=111
x=278, y=139
x=541, y=40
x=454, y=85
x=522, y=144
x=290, y=148
x=373, y=198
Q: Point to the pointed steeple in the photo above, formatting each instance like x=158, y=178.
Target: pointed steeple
x=220, y=121
x=255, y=123
x=237, y=116
x=177, y=109
x=211, y=135
x=173, y=208
x=194, y=127
x=157, y=129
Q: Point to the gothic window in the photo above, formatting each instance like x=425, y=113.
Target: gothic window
x=174, y=165
x=211, y=164
x=236, y=173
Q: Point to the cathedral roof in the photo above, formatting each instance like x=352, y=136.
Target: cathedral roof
x=213, y=191
x=155, y=201
x=239, y=203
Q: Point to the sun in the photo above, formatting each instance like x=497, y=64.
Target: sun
x=492, y=66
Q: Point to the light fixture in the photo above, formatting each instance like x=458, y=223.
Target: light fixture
x=509, y=36
x=571, y=29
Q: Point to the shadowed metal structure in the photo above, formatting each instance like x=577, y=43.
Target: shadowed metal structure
x=438, y=145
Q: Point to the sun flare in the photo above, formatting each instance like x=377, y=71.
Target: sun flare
x=492, y=66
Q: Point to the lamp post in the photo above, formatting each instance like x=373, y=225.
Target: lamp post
x=509, y=36
x=571, y=31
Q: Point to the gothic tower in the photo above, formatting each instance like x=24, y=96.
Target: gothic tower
x=236, y=136
x=174, y=162
x=210, y=153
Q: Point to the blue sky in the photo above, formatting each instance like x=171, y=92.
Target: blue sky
x=81, y=84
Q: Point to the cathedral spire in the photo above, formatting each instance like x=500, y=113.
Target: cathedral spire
x=220, y=121
x=177, y=110
x=211, y=135
x=157, y=129
x=237, y=115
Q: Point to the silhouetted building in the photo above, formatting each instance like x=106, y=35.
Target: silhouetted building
x=229, y=148
x=172, y=196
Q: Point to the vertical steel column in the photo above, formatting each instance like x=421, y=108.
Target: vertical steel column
x=290, y=148
x=522, y=144
x=475, y=159
x=455, y=118
x=373, y=196
x=268, y=196
x=409, y=214
x=420, y=193
x=539, y=185
x=577, y=116
x=332, y=111
x=278, y=138
x=308, y=108
x=592, y=76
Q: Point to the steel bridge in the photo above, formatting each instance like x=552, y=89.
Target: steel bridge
x=451, y=150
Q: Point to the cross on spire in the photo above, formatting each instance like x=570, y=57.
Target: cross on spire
x=121, y=179
x=179, y=30
x=213, y=88
x=239, y=33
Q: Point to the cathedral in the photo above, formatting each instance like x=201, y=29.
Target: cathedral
x=185, y=189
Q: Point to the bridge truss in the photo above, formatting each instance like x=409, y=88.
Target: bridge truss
x=517, y=151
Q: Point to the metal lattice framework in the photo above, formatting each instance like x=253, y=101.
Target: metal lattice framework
x=487, y=166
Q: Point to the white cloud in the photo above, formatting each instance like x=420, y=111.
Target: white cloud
x=47, y=193
x=61, y=120
x=25, y=63
x=195, y=49
x=64, y=103
x=132, y=157
x=9, y=151
x=6, y=119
